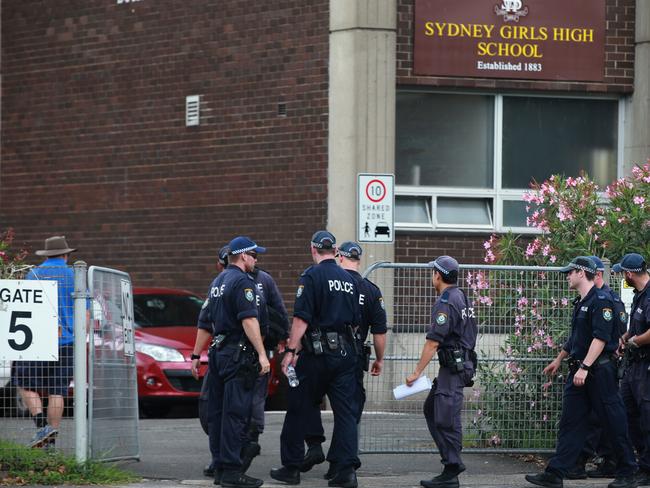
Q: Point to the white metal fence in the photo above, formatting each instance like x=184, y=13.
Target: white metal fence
x=523, y=315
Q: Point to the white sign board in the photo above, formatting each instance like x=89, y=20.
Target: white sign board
x=29, y=320
x=375, y=208
x=127, y=318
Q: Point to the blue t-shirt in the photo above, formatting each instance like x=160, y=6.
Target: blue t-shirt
x=56, y=269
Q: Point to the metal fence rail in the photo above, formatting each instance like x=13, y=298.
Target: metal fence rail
x=523, y=315
x=113, y=398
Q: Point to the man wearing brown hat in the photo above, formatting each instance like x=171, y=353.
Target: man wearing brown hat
x=51, y=378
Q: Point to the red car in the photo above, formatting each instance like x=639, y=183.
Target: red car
x=165, y=332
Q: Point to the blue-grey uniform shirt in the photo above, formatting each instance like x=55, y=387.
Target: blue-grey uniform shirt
x=620, y=315
x=373, y=310
x=327, y=298
x=640, y=312
x=232, y=297
x=270, y=294
x=593, y=317
x=450, y=321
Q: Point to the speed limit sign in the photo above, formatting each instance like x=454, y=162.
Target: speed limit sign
x=29, y=320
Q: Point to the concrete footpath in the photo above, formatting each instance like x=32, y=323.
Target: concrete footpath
x=174, y=452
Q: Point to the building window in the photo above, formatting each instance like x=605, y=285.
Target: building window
x=463, y=160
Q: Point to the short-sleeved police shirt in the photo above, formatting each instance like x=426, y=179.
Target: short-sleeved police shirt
x=270, y=294
x=327, y=297
x=640, y=312
x=593, y=318
x=373, y=310
x=450, y=321
x=232, y=298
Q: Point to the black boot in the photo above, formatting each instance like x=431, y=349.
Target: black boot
x=331, y=471
x=208, y=470
x=217, y=476
x=346, y=478
x=448, y=478
x=606, y=469
x=290, y=476
x=643, y=478
x=549, y=480
x=313, y=457
x=248, y=452
x=624, y=482
x=237, y=479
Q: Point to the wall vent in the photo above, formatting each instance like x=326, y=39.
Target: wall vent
x=282, y=109
x=192, y=104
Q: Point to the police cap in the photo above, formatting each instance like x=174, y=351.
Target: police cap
x=244, y=244
x=223, y=255
x=599, y=264
x=585, y=263
x=323, y=240
x=350, y=250
x=631, y=262
x=445, y=264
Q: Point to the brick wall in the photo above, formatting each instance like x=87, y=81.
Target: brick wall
x=619, y=57
x=94, y=143
x=422, y=248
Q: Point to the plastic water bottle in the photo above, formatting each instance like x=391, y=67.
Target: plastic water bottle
x=292, y=377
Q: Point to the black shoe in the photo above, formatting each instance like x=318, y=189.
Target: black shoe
x=208, y=471
x=331, y=471
x=290, y=476
x=313, y=457
x=344, y=479
x=448, y=477
x=217, y=477
x=545, y=479
x=236, y=479
x=624, y=482
x=643, y=478
x=606, y=469
x=576, y=473
x=248, y=453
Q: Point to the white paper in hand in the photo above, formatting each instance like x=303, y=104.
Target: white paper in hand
x=423, y=383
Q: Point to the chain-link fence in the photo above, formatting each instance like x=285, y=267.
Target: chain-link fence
x=45, y=353
x=523, y=315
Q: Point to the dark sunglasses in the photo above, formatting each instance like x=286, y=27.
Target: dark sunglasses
x=252, y=254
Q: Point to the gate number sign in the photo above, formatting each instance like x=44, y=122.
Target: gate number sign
x=29, y=320
x=375, y=204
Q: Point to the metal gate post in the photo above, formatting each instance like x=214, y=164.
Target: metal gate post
x=80, y=362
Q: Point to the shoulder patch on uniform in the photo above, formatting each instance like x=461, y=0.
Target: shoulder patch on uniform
x=607, y=314
x=623, y=317
x=441, y=318
x=248, y=293
x=381, y=303
x=301, y=288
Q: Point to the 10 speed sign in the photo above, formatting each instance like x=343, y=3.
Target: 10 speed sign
x=29, y=320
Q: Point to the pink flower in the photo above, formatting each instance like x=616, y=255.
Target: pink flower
x=522, y=302
x=552, y=259
x=564, y=213
x=565, y=302
x=549, y=341
x=545, y=418
x=638, y=200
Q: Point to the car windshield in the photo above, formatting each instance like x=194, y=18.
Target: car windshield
x=166, y=310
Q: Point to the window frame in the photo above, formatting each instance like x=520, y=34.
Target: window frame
x=498, y=194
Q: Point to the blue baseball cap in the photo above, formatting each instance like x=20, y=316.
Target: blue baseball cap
x=350, y=250
x=585, y=263
x=323, y=240
x=445, y=264
x=631, y=262
x=223, y=255
x=243, y=244
x=599, y=264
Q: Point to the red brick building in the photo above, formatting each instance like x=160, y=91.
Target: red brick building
x=295, y=99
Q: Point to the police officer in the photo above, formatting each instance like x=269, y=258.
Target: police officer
x=325, y=311
x=592, y=382
x=204, y=333
x=373, y=319
x=236, y=357
x=274, y=324
x=597, y=442
x=635, y=387
x=452, y=335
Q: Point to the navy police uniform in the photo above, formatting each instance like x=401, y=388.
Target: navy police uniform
x=635, y=386
x=593, y=317
x=326, y=300
x=373, y=320
x=454, y=328
x=231, y=299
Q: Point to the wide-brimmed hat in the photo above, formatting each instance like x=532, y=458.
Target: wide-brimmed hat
x=55, y=246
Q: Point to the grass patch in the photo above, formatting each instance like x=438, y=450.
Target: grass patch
x=20, y=465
